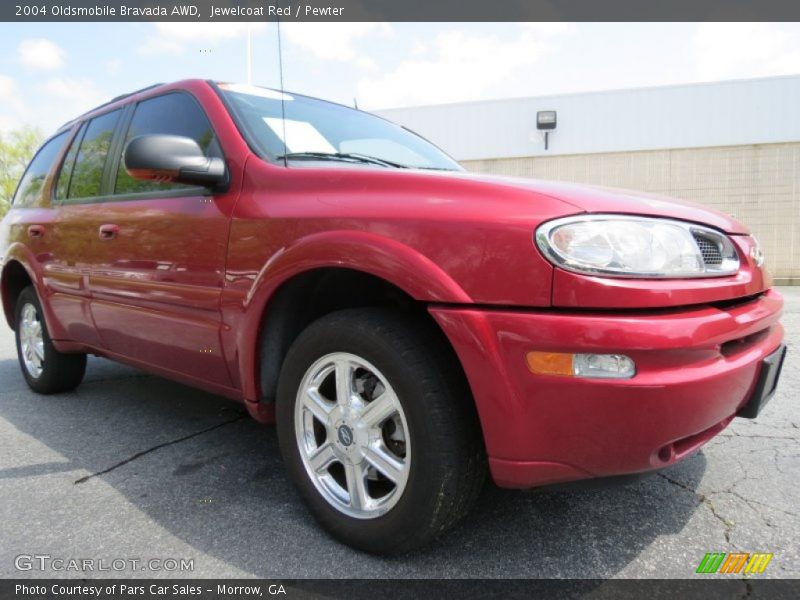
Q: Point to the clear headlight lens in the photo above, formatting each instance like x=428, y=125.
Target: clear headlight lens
x=622, y=246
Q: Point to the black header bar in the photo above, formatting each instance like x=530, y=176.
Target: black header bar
x=399, y=10
x=700, y=588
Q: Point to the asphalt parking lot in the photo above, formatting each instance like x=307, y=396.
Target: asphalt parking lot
x=134, y=466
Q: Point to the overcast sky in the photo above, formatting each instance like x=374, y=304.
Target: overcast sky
x=50, y=73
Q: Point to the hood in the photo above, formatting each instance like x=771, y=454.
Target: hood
x=597, y=199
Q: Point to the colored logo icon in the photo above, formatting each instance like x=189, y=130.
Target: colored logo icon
x=735, y=562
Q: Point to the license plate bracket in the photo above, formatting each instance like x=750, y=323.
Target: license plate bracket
x=765, y=386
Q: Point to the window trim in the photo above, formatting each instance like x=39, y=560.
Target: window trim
x=241, y=126
x=79, y=131
x=113, y=150
x=114, y=156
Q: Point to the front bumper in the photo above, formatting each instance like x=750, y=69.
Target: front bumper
x=696, y=367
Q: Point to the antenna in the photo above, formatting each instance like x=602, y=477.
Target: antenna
x=249, y=54
x=283, y=95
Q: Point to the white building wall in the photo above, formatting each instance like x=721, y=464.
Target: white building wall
x=726, y=113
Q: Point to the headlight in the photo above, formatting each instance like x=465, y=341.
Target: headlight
x=622, y=246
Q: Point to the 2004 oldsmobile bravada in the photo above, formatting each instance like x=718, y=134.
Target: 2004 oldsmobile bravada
x=408, y=325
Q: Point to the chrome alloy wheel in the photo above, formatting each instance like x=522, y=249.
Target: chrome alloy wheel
x=31, y=340
x=352, y=435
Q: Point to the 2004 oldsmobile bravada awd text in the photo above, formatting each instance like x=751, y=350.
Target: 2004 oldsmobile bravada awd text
x=409, y=326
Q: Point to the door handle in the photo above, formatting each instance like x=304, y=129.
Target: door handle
x=108, y=232
x=35, y=231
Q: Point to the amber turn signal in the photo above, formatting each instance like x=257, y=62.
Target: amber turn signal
x=550, y=363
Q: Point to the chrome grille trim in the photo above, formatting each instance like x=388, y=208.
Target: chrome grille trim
x=719, y=254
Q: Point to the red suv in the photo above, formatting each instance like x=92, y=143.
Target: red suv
x=406, y=324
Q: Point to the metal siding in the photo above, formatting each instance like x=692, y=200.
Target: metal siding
x=688, y=116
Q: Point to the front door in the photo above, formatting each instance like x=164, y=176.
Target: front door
x=158, y=273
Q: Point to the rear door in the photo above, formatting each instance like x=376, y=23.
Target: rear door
x=77, y=190
x=28, y=229
x=158, y=273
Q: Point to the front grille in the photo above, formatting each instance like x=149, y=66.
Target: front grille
x=712, y=256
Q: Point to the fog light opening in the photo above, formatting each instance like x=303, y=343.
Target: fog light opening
x=608, y=366
x=597, y=366
x=666, y=453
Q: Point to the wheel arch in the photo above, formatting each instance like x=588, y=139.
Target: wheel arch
x=21, y=266
x=312, y=294
x=344, y=270
x=16, y=276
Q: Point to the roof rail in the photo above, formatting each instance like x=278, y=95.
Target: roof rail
x=114, y=99
x=121, y=96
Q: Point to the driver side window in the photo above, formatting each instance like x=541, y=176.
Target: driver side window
x=172, y=114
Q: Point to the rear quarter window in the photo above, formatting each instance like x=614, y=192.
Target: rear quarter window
x=33, y=180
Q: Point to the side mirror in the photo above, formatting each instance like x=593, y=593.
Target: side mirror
x=172, y=158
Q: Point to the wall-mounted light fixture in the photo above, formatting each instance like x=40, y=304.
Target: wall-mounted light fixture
x=546, y=121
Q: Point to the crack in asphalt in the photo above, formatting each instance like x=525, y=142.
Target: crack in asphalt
x=756, y=436
x=776, y=458
x=705, y=500
x=130, y=459
x=751, y=502
x=754, y=505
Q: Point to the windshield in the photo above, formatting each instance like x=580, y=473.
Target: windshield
x=315, y=130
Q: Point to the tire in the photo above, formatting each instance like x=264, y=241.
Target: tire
x=401, y=367
x=46, y=370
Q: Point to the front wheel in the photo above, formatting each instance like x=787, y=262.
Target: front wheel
x=378, y=430
x=46, y=370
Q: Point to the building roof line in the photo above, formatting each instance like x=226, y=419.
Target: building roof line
x=591, y=93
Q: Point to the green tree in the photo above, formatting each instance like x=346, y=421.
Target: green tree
x=16, y=150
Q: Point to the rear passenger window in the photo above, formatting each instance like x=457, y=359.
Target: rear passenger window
x=171, y=114
x=87, y=173
x=30, y=186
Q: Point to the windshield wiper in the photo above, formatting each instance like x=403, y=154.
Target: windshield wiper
x=343, y=156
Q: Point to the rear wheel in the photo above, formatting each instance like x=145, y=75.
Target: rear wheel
x=378, y=430
x=46, y=370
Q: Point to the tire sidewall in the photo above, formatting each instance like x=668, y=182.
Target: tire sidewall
x=60, y=372
x=415, y=507
x=29, y=296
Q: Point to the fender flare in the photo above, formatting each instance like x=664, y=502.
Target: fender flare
x=385, y=258
x=22, y=255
